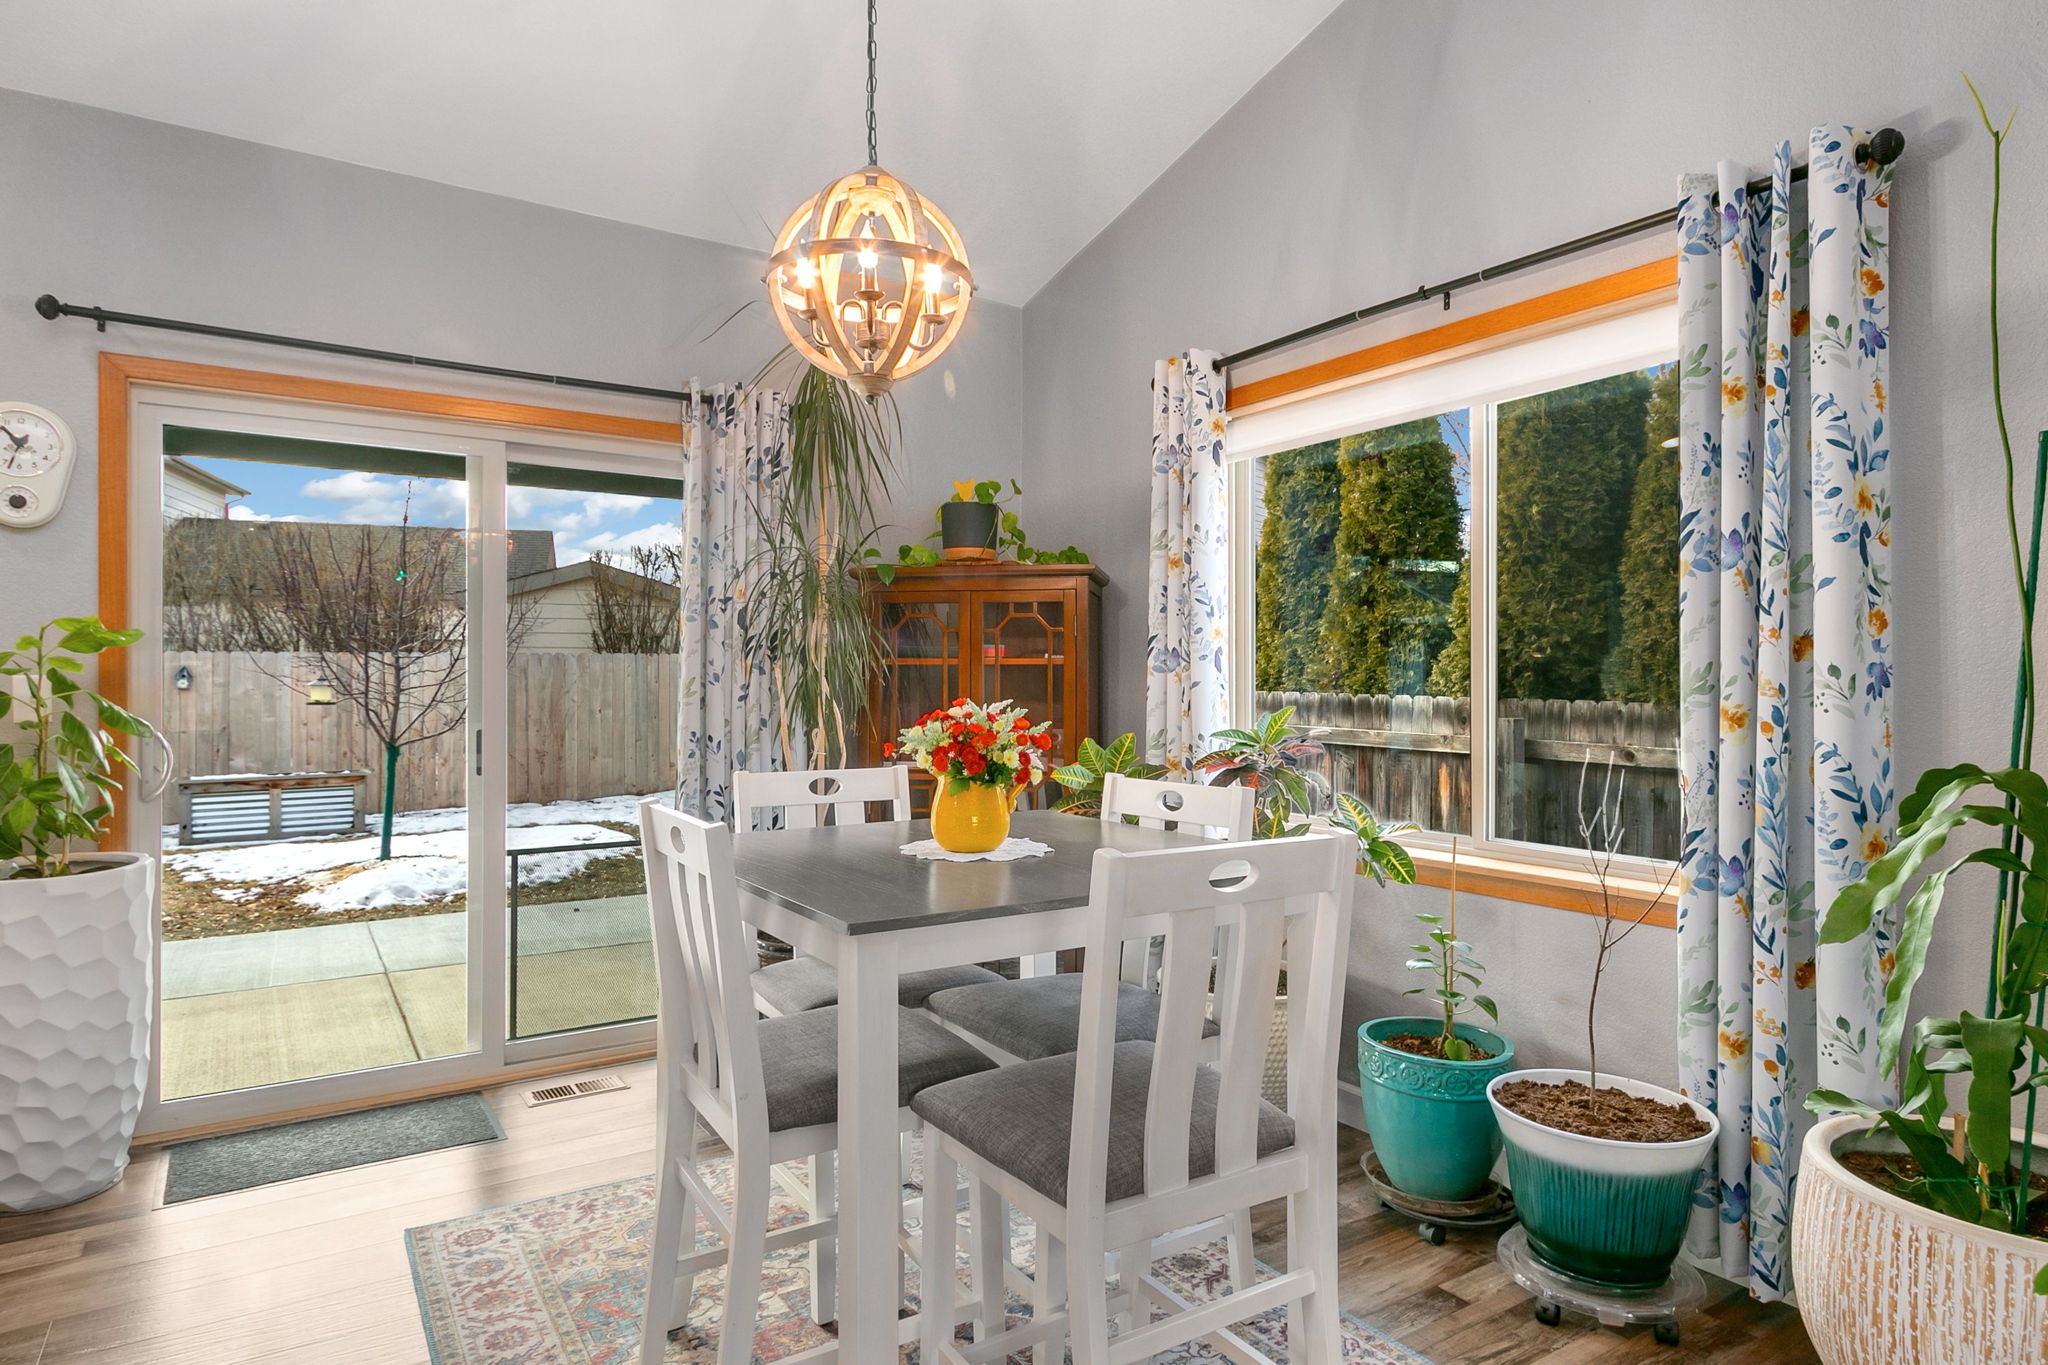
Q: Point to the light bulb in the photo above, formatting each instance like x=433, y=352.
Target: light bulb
x=806, y=273
x=869, y=258
x=934, y=278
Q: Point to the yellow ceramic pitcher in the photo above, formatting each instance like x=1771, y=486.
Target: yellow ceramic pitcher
x=975, y=819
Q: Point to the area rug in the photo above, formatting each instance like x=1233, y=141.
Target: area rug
x=241, y=1161
x=561, y=1280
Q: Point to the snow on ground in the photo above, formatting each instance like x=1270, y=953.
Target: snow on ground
x=429, y=856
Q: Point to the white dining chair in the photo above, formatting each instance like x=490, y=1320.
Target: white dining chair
x=1038, y=1016
x=806, y=799
x=769, y=1089
x=1114, y=1147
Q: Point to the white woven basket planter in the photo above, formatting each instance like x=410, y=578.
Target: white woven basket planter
x=1882, y=1280
x=75, y=998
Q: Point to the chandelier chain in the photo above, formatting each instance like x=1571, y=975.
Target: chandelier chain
x=874, y=156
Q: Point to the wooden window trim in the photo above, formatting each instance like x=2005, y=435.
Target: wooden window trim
x=1561, y=888
x=1624, y=291
x=118, y=376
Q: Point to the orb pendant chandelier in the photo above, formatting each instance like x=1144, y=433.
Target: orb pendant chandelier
x=869, y=280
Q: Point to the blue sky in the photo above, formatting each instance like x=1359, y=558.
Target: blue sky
x=581, y=522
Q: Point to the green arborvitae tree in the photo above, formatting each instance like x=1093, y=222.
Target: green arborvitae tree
x=1644, y=666
x=1451, y=675
x=1295, y=545
x=1397, y=545
x=1567, y=459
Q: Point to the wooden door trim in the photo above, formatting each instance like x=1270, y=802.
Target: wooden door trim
x=120, y=374
x=1623, y=291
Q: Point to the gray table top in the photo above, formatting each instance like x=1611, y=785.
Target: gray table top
x=852, y=879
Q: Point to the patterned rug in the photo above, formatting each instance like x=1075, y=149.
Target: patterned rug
x=560, y=1281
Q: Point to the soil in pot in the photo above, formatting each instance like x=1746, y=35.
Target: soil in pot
x=1432, y=1045
x=1898, y=1173
x=1616, y=1115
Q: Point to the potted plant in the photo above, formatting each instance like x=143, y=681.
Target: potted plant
x=75, y=945
x=1921, y=1233
x=982, y=756
x=1602, y=1167
x=1423, y=1078
x=1083, y=777
x=1271, y=759
x=973, y=525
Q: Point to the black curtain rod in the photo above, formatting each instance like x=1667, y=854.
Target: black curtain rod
x=1884, y=148
x=50, y=308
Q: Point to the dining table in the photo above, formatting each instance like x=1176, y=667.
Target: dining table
x=849, y=895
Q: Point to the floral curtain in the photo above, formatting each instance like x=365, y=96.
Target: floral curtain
x=1785, y=647
x=1188, y=583
x=736, y=458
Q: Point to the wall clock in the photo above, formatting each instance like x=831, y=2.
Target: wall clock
x=36, y=454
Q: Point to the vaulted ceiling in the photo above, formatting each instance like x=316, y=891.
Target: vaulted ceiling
x=1033, y=123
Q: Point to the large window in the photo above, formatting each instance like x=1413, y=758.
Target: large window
x=1465, y=581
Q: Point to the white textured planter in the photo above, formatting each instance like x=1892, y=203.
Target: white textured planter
x=1597, y=1209
x=75, y=998
x=1881, y=1279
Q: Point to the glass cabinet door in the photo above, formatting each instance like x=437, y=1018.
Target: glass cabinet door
x=921, y=651
x=1025, y=651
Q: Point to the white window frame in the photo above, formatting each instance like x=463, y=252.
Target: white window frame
x=1478, y=383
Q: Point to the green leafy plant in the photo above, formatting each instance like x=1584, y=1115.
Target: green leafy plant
x=1270, y=758
x=1968, y=1165
x=58, y=777
x=1093, y=762
x=1010, y=535
x=1449, y=961
x=1379, y=855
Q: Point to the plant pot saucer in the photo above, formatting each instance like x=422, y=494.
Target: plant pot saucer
x=1433, y=1216
x=1557, y=1293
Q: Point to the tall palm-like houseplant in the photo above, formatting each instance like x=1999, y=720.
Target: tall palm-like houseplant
x=808, y=606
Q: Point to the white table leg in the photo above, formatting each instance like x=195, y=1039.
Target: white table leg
x=870, y=1187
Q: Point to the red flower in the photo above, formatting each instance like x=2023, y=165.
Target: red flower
x=889, y=749
x=1043, y=741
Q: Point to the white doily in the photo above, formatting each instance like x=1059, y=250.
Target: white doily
x=1009, y=850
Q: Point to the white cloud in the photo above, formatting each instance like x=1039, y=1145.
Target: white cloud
x=619, y=542
x=567, y=511
x=381, y=499
x=241, y=511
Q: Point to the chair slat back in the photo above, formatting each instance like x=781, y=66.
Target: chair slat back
x=1213, y=812
x=1219, y=812
x=1279, y=902
x=706, y=1029
x=806, y=798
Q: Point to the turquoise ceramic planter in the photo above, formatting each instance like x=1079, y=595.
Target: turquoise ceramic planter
x=1612, y=1213
x=1431, y=1126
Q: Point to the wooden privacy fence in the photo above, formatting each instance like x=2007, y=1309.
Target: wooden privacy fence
x=580, y=726
x=1410, y=758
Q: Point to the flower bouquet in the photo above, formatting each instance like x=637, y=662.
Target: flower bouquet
x=982, y=757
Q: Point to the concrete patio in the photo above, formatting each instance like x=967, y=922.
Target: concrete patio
x=256, y=1009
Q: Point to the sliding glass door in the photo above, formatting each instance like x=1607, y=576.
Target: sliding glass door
x=415, y=675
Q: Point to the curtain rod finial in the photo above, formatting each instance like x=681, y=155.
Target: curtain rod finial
x=1885, y=146
x=48, y=306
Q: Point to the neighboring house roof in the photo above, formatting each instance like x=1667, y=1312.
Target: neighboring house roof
x=522, y=584
x=205, y=477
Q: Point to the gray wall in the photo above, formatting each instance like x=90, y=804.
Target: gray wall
x=1404, y=143
x=102, y=208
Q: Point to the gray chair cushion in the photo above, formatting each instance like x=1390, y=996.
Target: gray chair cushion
x=809, y=983
x=1022, y=1119
x=800, y=1063
x=1040, y=1016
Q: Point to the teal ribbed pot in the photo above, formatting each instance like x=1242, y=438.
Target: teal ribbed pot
x=1612, y=1213
x=1432, y=1129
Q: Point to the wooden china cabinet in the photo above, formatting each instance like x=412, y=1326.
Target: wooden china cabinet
x=1031, y=633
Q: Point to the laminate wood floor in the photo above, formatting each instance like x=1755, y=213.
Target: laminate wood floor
x=314, y=1271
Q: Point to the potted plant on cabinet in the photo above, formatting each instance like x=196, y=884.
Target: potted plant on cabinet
x=1423, y=1079
x=1602, y=1167
x=75, y=955
x=1921, y=1233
